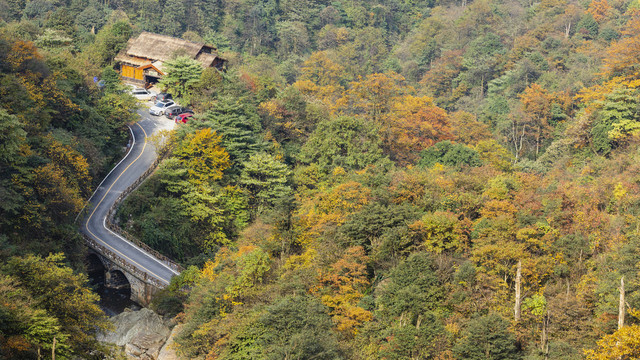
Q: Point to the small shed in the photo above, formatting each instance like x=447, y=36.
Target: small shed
x=141, y=61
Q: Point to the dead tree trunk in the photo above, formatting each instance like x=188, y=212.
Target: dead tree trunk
x=621, y=309
x=545, y=336
x=517, y=306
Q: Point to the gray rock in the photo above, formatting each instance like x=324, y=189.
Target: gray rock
x=132, y=350
x=168, y=352
x=142, y=333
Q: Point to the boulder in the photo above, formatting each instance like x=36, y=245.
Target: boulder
x=168, y=351
x=142, y=333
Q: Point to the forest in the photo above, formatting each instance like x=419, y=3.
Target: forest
x=368, y=179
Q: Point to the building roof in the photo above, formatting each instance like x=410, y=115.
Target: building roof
x=153, y=48
x=157, y=66
x=131, y=59
x=206, y=59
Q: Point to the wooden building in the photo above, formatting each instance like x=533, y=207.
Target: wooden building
x=141, y=61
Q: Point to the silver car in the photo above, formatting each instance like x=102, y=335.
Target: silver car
x=142, y=94
x=160, y=106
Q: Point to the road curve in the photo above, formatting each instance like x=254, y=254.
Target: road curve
x=140, y=156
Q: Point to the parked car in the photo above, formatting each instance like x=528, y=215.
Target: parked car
x=160, y=106
x=162, y=97
x=142, y=94
x=182, y=118
x=173, y=111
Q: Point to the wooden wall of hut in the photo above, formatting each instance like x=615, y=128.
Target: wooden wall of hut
x=131, y=72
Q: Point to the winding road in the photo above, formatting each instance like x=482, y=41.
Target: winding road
x=140, y=157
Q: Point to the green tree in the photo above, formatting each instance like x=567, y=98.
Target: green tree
x=37, y=9
x=406, y=321
x=487, y=338
x=377, y=221
x=482, y=60
x=413, y=289
x=109, y=41
x=111, y=80
x=118, y=109
x=181, y=75
x=12, y=136
x=450, y=154
x=21, y=321
x=64, y=295
x=61, y=20
x=621, y=110
x=587, y=26
x=411, y=341
x=296, y=327
x=266, y=179
x=173, y=18
x=253, y=267
x=349, y=142
x=237, y=121
x=617, y=120
x=92, y=18
x=293, y=37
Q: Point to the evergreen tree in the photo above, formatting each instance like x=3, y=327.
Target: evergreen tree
x=265, y=177
x=173, y=18
x=349, y=142
x=487, y=338
x=236, y=120
x=182, y=73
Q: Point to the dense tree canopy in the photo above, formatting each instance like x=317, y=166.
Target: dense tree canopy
x=368, y=180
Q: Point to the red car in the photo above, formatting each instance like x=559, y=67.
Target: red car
x=182, y=118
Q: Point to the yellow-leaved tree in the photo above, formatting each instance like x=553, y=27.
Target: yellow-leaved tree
x=203, y=156
x=622, y=344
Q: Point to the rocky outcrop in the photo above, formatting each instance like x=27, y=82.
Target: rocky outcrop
x=142, y=334
x=168, y=351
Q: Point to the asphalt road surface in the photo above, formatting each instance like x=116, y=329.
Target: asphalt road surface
x=141, y=155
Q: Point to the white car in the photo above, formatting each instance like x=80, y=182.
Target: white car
x=160, y=106
x=142, y=94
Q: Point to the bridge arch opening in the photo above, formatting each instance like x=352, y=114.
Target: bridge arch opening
x=116, y=293
x=95, y=269
x=111, y=284
x=117, y=280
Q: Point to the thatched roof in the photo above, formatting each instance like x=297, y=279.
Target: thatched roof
x=206, y=59
x=132, y=59
x=152, y=48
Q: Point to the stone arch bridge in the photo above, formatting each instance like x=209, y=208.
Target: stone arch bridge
x=118, y=274
x=125, y=259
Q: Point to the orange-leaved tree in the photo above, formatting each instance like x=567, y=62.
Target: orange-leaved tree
x=600, y=10
x=341, y=288
x=537, y=104
x=623, y=55
x=414, y=124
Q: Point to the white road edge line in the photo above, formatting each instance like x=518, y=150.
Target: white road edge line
x=105, y=178
x=104, y=224
x=135, y=263
x=104, y=220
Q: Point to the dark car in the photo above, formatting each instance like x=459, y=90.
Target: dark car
x=173, y=111
x=182, y=118
x=162, y=97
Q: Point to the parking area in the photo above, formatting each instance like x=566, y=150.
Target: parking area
x=161, y=104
